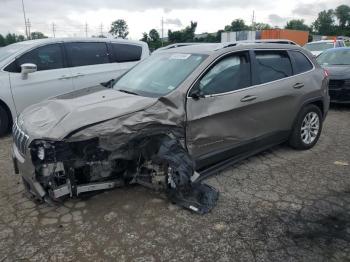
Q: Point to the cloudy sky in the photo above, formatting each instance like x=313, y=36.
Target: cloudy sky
x=71, y=16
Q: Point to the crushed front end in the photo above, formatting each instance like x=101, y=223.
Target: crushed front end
x=55, y=170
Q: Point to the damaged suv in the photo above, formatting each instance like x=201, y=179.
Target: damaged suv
x=175, y=118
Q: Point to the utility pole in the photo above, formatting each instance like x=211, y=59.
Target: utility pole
x=162, y=31
x=86, y=30
x=28, y=29
x=101, y=30
x=25, y=19
x=253, y=20
x=54, y=30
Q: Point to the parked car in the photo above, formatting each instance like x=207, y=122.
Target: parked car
x=317, y=47
x=181, y=114
x=32, y=71
x=337, y=63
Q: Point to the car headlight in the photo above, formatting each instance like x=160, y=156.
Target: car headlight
x=41, y=153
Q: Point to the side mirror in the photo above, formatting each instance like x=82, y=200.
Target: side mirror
x=196, y=93
x=27, y=69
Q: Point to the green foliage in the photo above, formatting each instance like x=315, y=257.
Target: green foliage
x=2, y=40
x=152, y=39
x=261, y=26
x=237, y=25
x=297, y=24
x=185, y=35
x=37, y=35
x=119, y=28
x=325, y=24
x=342, y=12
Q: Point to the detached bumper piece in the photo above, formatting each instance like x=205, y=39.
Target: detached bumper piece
x=199, y=198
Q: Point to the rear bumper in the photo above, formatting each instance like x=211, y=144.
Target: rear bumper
x=340, y=95
x=24, y=167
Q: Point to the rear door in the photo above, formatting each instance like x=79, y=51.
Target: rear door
x=51, y=79
x=89, y=62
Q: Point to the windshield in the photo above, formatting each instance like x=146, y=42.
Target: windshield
x=339, y=57
x=9, y=50
x=319, y=46
x=159, y=74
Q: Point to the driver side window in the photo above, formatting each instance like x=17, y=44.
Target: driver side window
x=229, y=74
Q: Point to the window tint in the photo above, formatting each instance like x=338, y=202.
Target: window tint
x=46, y=58
x=273, y=65
x=302, y=64
x=126, y=53
x=82, y=54
x=229, y=74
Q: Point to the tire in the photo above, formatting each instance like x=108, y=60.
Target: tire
x=4, y=122
x=307, y=128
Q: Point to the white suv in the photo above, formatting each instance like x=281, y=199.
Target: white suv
x=32, y=71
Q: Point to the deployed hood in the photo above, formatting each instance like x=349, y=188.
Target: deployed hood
x=338, y=70
x=56, y=118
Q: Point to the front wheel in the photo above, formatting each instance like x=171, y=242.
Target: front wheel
x=307, y=129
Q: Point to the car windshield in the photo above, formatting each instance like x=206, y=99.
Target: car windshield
x=339, y=57
x=9, y=50
x=159, y=74
x=319, y=46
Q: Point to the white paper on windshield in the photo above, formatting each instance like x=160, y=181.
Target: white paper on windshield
x=180, y=56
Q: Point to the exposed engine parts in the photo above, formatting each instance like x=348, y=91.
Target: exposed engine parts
x=69, y=169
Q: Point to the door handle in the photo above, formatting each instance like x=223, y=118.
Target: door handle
x=64, y=77
x=248, y=98
x=298, y=85
x=79, y=74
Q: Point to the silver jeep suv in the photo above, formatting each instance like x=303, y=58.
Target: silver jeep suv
x=175, y=118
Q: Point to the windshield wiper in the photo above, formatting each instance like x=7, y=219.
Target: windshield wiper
x=128, y=92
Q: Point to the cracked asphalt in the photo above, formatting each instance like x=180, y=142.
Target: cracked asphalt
x=281, y=205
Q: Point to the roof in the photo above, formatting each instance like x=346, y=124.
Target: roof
x=323, y=41
x=211, y=48
x=337, y=49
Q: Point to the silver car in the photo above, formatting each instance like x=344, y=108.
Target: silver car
x=175, y=118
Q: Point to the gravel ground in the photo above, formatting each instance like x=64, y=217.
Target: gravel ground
x=281, y=205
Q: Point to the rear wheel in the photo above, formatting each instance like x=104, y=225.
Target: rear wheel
x=4, y=121
x=307, y=129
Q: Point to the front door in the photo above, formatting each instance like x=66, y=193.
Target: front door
x=51, y=79
x=235, y=111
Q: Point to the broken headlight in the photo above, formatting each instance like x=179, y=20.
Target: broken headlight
x=41, y=153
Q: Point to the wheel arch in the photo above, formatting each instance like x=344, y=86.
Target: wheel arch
x=8, y=110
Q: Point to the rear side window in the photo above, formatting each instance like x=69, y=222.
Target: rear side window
x=302, y=64
x=273, y=65
x=126, y=53
x=229, y=74
x=83, y=54
x=46, y=58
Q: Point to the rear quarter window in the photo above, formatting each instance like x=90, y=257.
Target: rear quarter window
x=126, y=52
x=273, y=65
x=301, y=62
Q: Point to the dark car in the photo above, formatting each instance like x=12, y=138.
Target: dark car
x=337, y=62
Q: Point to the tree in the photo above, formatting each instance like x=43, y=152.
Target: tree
x=261, y=26
x=10, y=39
x=145, y=37
x=119, y=28
x=297, y=24
x=154, y=35
x=37, y=35
x=342, y=12
x=2, y=40
x=184, y=35
x=237, y=25
x=324, y=24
